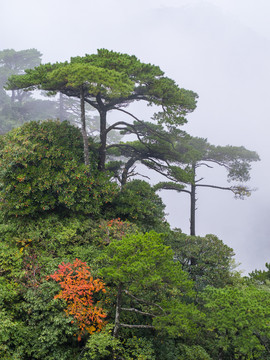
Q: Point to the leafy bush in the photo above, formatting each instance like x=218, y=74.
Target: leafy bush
x=138, y=203
x=42, y=170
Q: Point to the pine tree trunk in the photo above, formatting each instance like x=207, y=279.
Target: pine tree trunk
x=103, y=140
x=192, y=205
x=84, y=133
x=192, y=209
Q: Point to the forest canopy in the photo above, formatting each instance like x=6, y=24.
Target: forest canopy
x=89, y=266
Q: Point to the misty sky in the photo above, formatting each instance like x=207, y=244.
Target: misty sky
x=217, y=48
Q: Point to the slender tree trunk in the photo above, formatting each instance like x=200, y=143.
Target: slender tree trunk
x=192, y=209
x=84, y=133
x=61, y=107
x=192, y=204
x=103, y=140
x=117, y=311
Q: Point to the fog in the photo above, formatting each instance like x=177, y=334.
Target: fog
x=219, y=49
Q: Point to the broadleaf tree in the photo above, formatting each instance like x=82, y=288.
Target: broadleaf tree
x=42, y=171
x=77, y=289
x=237, y=322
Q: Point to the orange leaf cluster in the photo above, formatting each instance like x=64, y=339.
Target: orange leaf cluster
x=117, y=228
x=78, y=288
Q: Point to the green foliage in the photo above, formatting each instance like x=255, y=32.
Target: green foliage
x=193, y=352
x=109, y=81
x=103, y=345
x=172, y=349
x=52, y=207
x=154, y=149
x=9, y=329
x=53, y=237
x=198, y=152
x=143, y=267
x=69, y=77
x=114, y=229
x=42, y=170
x=142, y=260
x=50, y=331
x=112, y=75
x=100, y=345
x=168, y=185
x=179, y=320
x=138, y=348
x=237, y=322
x=166, y=348
x=261, y=277
x=10, y=260
x=138, y=203
x=235, y=159
x=33, y=325
x=148, y=83
x=207, y=259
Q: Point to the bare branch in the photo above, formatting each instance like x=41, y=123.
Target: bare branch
x=128, y=113
x=220, y=163
x=144, y=176
x=158, y=170
x=137, y=326
x=113, y=127
x=199, y=180
x=90, y=102
x=166, y=138
x=138, y=311
x=230, y=188
x=204, y=164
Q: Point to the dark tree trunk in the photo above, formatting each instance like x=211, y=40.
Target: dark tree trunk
x=192, y=205
x=117, y=311
x=84, y=133
x=103, y=140
x=192, y=209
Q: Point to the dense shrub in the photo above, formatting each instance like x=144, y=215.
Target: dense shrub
x=138, y=203
x=42, y=170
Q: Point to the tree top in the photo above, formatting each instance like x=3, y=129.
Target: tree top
x=111, y=80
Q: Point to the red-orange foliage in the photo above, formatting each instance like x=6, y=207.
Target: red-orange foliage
x=78, y=287
x=115, y=229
